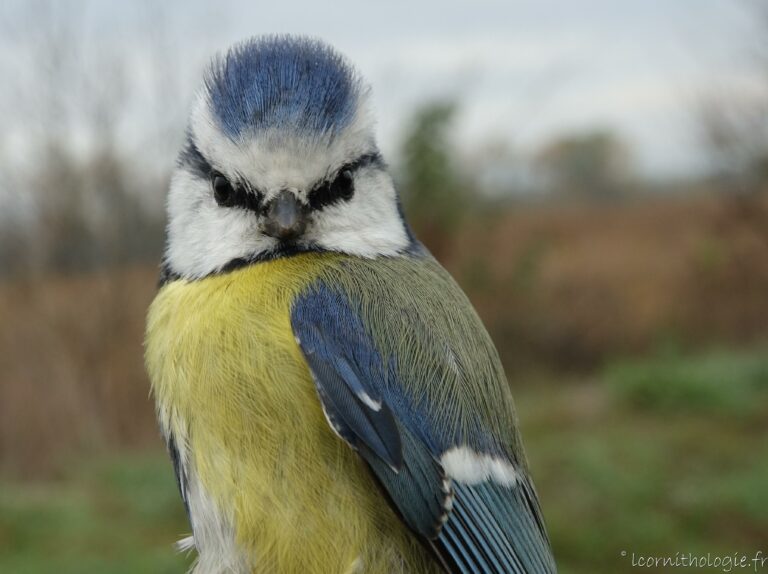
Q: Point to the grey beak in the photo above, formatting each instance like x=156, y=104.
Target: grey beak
x=286, y=218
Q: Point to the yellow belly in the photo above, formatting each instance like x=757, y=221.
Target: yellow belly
x=233, y=388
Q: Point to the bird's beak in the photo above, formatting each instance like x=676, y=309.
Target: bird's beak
x=286, y=217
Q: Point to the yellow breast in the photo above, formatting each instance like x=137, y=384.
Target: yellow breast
x=233, y=388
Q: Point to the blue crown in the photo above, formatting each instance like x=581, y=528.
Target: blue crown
x=280, y=82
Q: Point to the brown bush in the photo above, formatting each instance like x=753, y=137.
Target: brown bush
x=570, y=286
x=72, y=368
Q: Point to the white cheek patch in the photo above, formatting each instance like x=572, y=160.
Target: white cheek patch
x=368, y=225
x=468, y=466
x=203, y=237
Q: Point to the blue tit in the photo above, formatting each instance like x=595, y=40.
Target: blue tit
x=330, y=399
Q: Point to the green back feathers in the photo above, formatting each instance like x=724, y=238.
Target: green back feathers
x=445, y=359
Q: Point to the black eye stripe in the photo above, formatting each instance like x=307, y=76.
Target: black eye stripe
x=340, y=186
x=340, y=189
x=191, y=158
x=228, y=194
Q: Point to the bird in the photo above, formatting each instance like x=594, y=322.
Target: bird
x=330, y=399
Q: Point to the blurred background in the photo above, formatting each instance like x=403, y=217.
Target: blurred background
x=594, y=174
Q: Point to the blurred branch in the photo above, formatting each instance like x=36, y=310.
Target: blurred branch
x=734, y=123
x=73, y=109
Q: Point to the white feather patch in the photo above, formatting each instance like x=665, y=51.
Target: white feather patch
x=185, y=544
x=467, y=466
x=368, y=401
x=214, y=535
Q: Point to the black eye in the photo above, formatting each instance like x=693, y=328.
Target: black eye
x=341, y=188
x=223, y=192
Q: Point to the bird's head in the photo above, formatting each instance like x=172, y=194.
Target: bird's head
x=280, y=158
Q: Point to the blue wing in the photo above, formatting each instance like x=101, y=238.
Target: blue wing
x=472, y=526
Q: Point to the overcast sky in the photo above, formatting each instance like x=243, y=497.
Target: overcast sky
x=522, y=71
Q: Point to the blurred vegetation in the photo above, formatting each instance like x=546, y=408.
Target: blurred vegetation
x=631, y=316
x=435, y=197
x=80, y=189
x=111, y=516
x=594, y=164
x=656, y=479
x=718, y=383
x=653, y=480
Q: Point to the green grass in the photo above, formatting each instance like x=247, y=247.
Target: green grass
x=656, y=457
x=685, y=470
x=719, y=382
x=116, y=516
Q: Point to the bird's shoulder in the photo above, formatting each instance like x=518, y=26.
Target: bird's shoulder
x=417, y=321
x=408, y=376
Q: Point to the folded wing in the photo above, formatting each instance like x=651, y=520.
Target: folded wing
x=474, y=505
